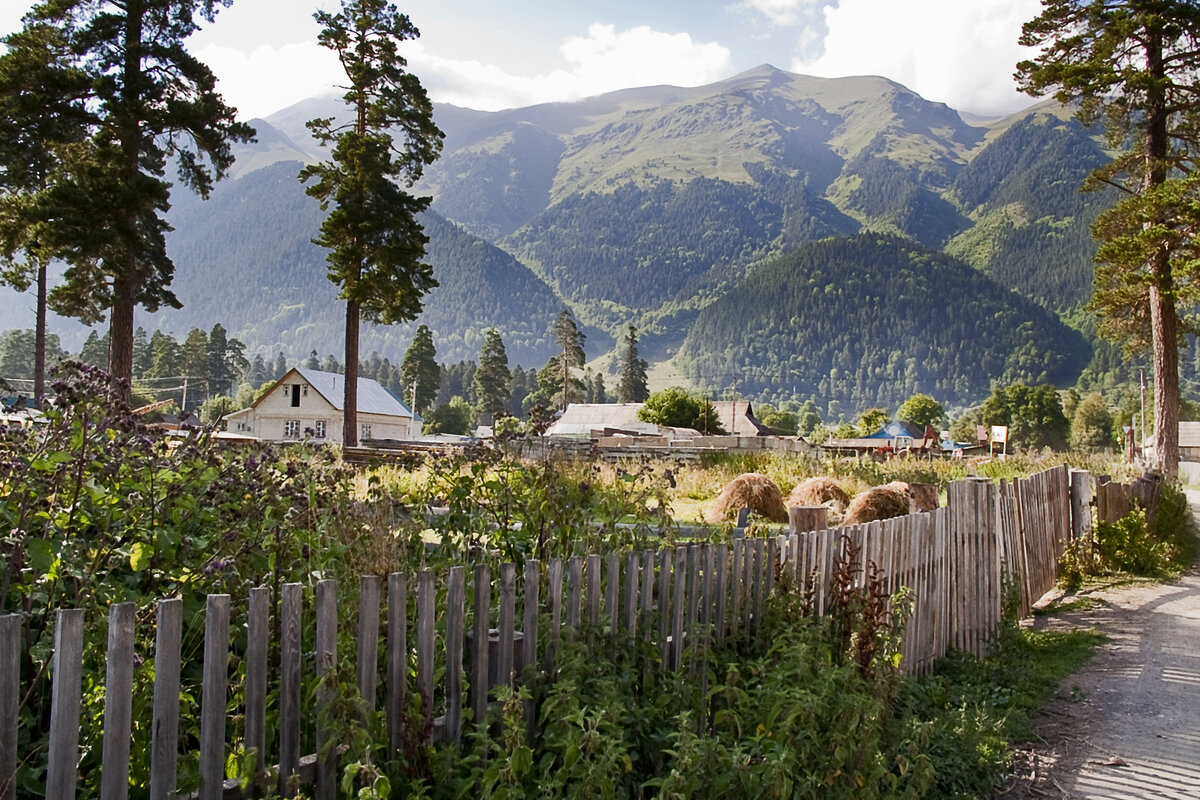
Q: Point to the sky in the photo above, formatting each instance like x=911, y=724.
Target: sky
x=494, y=54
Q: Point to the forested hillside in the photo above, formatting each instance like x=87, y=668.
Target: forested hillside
x=245, y=258
x=1032, y=231
x=870, y=320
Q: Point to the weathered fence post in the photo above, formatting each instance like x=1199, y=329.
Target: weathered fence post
x=807, y=518
x=64, y=705
x=118, y=702
x=213, y=695
x=10, y=686
x=165, y=737
x=1081, y=505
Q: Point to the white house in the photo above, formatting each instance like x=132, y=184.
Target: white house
x=307, y=404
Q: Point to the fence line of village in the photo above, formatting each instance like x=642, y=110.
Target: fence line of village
x=956, y=562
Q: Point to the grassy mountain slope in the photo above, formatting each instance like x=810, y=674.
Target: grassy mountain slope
x=871, y=319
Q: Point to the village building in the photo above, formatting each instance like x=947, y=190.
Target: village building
x=737, y=418
x=307, y=404
x=895, y=437
x=604, y=420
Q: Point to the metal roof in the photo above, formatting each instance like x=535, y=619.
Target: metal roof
x=372, y=398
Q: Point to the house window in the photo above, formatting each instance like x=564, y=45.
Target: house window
x=366, y=432
x=295, y=395
x=291, y=429
x=319, y=428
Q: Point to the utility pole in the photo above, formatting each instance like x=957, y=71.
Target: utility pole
x=1142, y=427
x=733, y=413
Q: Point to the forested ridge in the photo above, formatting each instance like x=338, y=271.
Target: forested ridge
x=872, y=319
x=245, y=257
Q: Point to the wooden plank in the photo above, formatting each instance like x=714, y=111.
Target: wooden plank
x=370, y=588
x=664, y=606
x=118, y=702
x=456, y=596
x=759, y=582
x=214, y=696
x=481, y=626
x=722, y=588
x=10, y=687
x=164, y=747
x=556, y=589
x=593, y=589
x=505, y=655
x=612, y=592
x=533, y=580
x=678, y=607
x=325, y=787
x=647, y=619
x=289, y=685
x=426, y=614
x=632, y=573
x=771, y=551
x=736, y=586
x=693, y=594
x=574, y=592
x=397, y=659
x=707, y=598
x=258, y=635
x=67, y=674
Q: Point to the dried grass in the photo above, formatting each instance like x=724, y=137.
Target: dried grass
x=752, y=490
x=881, y=502
x=819, y=491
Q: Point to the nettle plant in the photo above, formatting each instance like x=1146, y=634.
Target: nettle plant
x=96, y=508
x=502, y=506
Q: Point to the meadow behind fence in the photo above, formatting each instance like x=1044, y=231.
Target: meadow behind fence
x=441, y=643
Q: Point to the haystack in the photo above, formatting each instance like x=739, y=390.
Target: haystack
x=751, y=490
x=819, y=491
x=878, y=502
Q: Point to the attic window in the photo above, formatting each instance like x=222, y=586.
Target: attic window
x=295, y=395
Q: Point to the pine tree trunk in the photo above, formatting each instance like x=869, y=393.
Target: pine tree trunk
x=120, y=324
x=1166, y=382
x=350, y=394
x=39, y=341
x=1163, y=320
x=120, y=331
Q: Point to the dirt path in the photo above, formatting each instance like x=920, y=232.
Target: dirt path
x=1128, y=724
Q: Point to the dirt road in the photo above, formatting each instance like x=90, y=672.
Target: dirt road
x=1128, y=724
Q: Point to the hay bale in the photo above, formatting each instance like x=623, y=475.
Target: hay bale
x=751, y=490
x=879, y=502
x=819, y=491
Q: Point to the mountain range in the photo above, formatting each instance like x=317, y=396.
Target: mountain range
x=716, y=219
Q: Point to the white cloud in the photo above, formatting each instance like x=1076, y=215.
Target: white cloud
x=270, y=78
x=602, y=61
x=960, y=53
x=781, y=12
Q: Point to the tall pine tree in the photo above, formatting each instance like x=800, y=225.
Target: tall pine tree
x=43, y=115
x=375, y=242
x=493, y=380
x=149, y=100
x=1132, y=65
x=419, y=371
x=569, y=339
x=632, y=388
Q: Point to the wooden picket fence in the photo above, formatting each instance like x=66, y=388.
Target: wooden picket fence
x=956, y=562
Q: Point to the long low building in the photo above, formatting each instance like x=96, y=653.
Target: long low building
x=307, y=405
